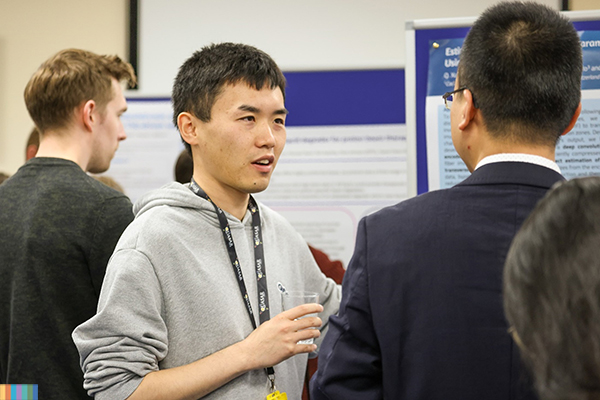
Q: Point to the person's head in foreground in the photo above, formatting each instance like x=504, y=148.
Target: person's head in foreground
x=552, y=291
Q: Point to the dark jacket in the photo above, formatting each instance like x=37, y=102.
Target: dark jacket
x=421, y=314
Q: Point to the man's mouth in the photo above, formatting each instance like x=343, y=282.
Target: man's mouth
x=264, y=164
x=266, y=160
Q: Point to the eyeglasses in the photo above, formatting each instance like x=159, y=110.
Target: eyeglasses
x=449, y=96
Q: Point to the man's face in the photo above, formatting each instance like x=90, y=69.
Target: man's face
x=109, y=131
x=240, y=145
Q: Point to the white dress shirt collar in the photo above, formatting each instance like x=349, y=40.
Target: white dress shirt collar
x=519, y=157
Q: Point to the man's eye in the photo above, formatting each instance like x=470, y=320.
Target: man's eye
x=280, y=121
x=248, y=118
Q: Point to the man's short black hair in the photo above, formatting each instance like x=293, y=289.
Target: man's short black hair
x=203, y=75
x=523, y=64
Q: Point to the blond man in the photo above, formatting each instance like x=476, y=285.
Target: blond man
x=59, y=225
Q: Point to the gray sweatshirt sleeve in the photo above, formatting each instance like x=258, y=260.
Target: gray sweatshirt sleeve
x=127, y=338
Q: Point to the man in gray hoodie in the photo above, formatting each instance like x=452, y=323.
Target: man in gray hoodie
x=186, y=309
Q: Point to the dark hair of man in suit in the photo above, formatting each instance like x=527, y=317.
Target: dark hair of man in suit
x=201, y=78
x=523, y=64
x=552, y=291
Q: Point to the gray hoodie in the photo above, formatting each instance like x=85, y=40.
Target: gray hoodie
x=170, y=296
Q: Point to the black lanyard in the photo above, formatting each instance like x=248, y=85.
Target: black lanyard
x=259, y=259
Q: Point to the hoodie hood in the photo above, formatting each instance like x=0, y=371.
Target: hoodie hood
x=175, y=194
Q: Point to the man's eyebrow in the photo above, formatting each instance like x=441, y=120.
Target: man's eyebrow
x=252, y=109
x=248, y=108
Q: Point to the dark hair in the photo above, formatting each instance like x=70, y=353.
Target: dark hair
x=184, y=167
x=68, y=79
x=523, y=64
x=552, y=290
x=203, y=75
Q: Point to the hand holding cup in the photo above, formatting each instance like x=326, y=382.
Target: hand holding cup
x=293, y=299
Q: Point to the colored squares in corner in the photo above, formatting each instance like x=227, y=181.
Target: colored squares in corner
x=18, y=392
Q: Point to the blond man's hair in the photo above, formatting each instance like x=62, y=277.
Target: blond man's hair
x=67, y=80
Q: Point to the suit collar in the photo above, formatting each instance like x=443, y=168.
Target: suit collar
x=520, y=173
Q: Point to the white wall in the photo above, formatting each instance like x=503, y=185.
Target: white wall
x=307, y=34
x=578, y=5
x=299, y=35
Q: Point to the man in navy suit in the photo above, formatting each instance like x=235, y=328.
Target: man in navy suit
x=421, y=315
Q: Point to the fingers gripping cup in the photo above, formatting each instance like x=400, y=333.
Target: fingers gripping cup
x=293, y=298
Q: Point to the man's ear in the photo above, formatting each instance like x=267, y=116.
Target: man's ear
x=573, y=120
x=31, y=151
x=88, y=114
x=186, y=123
x=467, y=109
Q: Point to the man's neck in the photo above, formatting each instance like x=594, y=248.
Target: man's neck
x=228, y=199
x=63, y=145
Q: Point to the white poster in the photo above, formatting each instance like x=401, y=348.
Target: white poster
x=329, y=177
x=146, y=159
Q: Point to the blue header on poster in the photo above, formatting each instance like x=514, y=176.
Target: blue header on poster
x=354, y=97
x=358, y=97
x=590, y=46
x=443, y=63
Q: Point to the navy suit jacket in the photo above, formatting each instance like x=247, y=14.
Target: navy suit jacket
x=421, y=314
